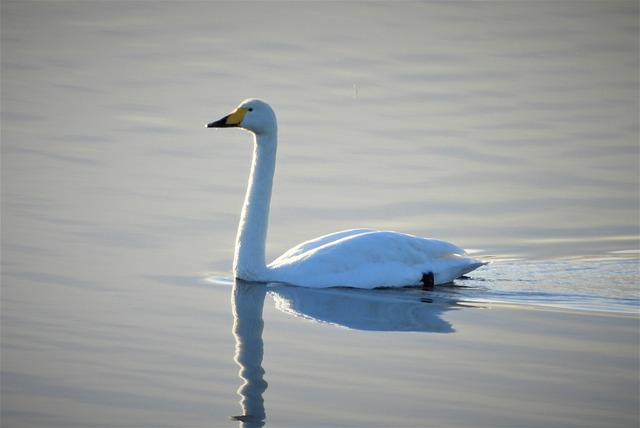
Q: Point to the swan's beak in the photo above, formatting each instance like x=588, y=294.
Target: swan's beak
x=234, y=119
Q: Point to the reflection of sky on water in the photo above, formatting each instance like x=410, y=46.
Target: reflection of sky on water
x=508, y=127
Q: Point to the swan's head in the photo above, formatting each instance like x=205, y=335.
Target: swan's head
x=253, y=114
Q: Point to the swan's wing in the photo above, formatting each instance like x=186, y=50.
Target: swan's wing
x=369, y=259
x=312, y=244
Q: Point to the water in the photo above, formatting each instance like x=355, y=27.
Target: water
x=510, y=129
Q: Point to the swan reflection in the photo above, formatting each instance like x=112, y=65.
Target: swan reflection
x=247, y=303
x=372, y=310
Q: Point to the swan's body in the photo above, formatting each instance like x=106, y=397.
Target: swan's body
x=362, y=258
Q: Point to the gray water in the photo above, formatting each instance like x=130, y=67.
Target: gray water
x=508, y=128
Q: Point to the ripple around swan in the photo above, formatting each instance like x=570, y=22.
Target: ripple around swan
x=601, y=286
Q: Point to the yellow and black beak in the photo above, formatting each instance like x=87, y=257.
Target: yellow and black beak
x=233, y=119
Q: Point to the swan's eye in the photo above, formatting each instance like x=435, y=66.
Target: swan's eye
x=250, y=109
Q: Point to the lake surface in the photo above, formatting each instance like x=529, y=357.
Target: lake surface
x=508, y=128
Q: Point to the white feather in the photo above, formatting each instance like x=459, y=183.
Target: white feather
x=363, y=258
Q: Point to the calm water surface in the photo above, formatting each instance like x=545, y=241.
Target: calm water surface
x=508, y=128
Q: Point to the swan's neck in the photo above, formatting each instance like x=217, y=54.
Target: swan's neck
x=249, y=262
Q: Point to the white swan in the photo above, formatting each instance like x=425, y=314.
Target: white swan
x=362, y=258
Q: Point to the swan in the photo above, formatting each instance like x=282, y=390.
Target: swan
x=360, y=258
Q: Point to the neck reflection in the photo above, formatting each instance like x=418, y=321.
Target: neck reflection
x=407, y=310
x=247, y=304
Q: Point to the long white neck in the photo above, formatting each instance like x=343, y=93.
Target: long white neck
x=249, y=262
